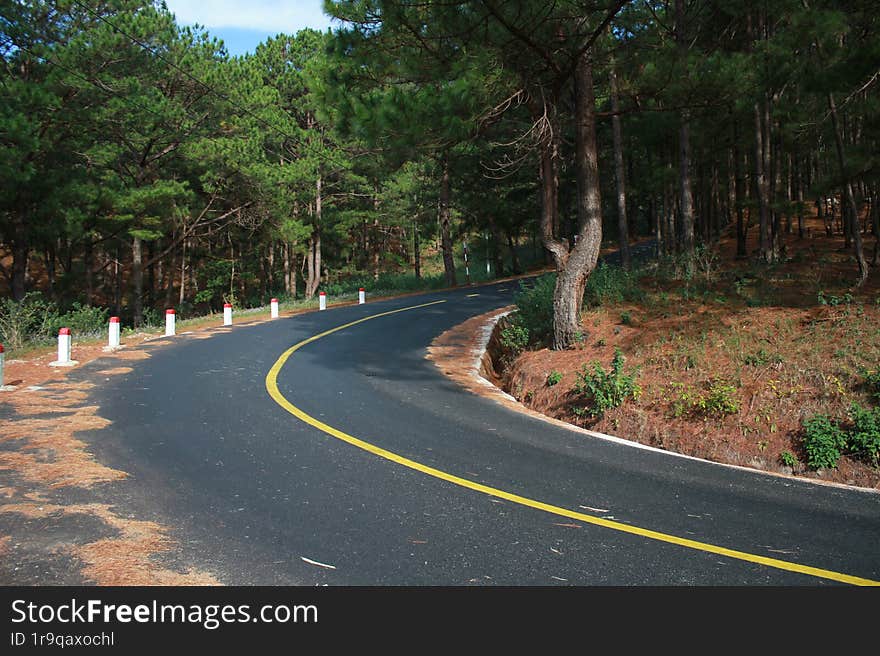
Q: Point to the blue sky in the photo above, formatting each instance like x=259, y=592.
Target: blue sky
x=243, y=24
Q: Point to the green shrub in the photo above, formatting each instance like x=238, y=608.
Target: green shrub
x=152, y=318
x=534, y=303
x=832, y=300
x=553, y=378
x=30, y=319
x=83, y=320
x=514, y=337
x=824, y=441
x=863, y=439
x=789, y=459
x=606, y=389
x=609, y=284
x=718, y=401
x=872, y=383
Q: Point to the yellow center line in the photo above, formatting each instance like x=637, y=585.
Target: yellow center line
x=274, y=392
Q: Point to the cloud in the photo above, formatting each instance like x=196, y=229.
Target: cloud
x=264, y=15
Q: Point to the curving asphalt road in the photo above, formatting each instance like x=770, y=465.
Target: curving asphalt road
x=258, y=496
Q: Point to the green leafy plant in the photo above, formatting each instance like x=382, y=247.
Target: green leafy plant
x=833, y=300
x=626, y=318
x=718, y=401
x=553, y=378
x=82, y=320
x=824, y=441
x=609, y=284
x=863, y=439
x=606, y=389
x=534, y=305
x=872, y=383
x=514, y=338
x=789, y=459
x=761, y=357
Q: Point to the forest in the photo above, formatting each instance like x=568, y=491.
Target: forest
x=144, y=168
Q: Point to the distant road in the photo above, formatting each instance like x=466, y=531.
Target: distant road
x=370, y=467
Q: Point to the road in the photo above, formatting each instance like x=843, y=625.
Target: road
x=355, y=461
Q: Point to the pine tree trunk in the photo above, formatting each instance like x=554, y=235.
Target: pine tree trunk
x=739, y=201
x=617, y=136
x=20, y=255
x=445, y=228
x=50, y=270
x=514, y=258
x=377, y=246
x=137, y=281
x=88, y=264
x=577, y=265
x=182, y=296
x=313, y=264
x=686, y=233
x=764, y=247
x=687, y=196
x=852, y=210
x=168, y=283
x=875, y=222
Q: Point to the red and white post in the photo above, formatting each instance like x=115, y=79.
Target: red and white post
x=322, y=301
x=227, y=314
x=113, y=337
x=362, y=296
x=63, y=350
x=273, y=308
x=64, y=346
x=169, y=322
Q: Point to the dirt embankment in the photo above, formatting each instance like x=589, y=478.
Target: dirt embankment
x=773, y=397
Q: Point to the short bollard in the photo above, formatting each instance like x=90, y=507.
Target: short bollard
x=169, y=322
x=63, y=346
x=227, y=314
x=322, y=301
x=362, y=296
x=273, y=308
x=63, y=350
x=113, y=338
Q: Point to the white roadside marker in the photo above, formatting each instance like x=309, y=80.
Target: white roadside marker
x=63, y=350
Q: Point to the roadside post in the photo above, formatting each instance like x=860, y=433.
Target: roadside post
x=227, y=314
x=64, y=348
x=113, y=337
x=273, y=308
x=362, y=296
x=322, y=301
x=169, y=322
